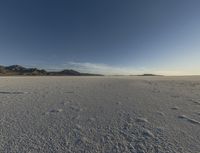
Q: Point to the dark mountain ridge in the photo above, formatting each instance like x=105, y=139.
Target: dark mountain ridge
x=20, y=70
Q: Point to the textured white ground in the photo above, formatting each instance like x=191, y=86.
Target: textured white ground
x=100, y=114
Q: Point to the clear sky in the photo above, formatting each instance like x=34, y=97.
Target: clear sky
x=102, y=36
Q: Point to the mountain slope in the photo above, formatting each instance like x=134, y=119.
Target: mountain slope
x=20, y=70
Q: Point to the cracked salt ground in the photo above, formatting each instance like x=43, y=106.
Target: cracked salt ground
x=100, y=114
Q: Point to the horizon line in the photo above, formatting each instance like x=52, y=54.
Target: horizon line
x=105, y=74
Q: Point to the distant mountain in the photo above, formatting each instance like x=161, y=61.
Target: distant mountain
x=149, y=75
x=66, y=72
x=146, y=75
x=20, y=70
x=15, y=68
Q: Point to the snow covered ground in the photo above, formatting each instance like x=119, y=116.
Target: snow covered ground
x=100, y=114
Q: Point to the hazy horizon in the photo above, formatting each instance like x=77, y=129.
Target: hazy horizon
x=106, y=37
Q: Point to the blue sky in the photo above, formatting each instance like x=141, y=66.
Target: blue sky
x=107, y=36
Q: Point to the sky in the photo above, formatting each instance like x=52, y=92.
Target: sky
x=102, y=36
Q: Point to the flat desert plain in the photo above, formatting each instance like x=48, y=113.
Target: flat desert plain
x=100, y=114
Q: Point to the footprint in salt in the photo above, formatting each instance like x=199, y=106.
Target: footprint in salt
x=147, y=133
x=189, y=119
x=15, y=92
x=118, y=103
x=65, y=102
x=76, y=108
x=56, y=110
x=53, y=111
x=78, y=127
x=140, y=119
x=175, y=108
x=195, y=101
x=160, y=113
